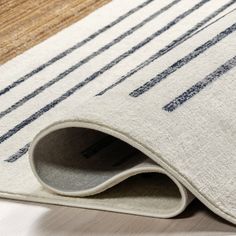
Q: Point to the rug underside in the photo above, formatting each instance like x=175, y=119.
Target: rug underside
x=131, y=112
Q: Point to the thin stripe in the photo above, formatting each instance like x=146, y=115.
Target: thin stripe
x=98, y=146
x=196, y=88
x=71, y=49
x=128, y=157
x=190, y=33
x=22, y=151
x=71, y=91
x=85, y=60
x=183, y=61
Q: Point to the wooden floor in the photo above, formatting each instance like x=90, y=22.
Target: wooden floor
x=27, y=219
x=23, y=24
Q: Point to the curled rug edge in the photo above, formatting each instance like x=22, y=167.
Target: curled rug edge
x=186, y=188
x=172, y=199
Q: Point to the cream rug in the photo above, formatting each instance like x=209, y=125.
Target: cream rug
x=132, y=109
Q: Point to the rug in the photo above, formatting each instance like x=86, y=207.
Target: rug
x=131, y=109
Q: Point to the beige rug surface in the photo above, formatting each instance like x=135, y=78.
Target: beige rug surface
x=132, y=109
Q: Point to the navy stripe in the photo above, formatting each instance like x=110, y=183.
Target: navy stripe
x=183, y=61
x=71, y=91
x=98, y=146
x=70, y=50
x=22, y=151
x=127, y=158
x=190, y=33
x=84, y=61
x=196, y=88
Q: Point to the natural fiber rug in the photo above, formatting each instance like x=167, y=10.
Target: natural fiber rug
x=132, y=109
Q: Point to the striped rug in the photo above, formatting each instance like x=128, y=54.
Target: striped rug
x=132, y=109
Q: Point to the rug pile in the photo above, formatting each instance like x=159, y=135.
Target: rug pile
x=132, y=109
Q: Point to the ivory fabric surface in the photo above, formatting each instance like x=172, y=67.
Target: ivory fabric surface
x=132, y=109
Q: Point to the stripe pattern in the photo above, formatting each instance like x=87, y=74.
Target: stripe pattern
x=196, y=88
x=85, y=60
x=182, y=62
x=154, y=37
x=169, y=47
x=98, y=146
x=73, y=48
x=108, y=66
x=21, y=152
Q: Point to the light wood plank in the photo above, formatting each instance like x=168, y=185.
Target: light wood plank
x=25, y=23
x=18, y=218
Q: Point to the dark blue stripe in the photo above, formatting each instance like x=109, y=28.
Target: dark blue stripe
x=98, y=146
x=183, y=61
x=70, y=50
x=22, y=151
x=84, y=61
x=170, y=46
x=71, y=91
x=196, y=88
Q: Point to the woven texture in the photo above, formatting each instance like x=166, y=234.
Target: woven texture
x=155, y=76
